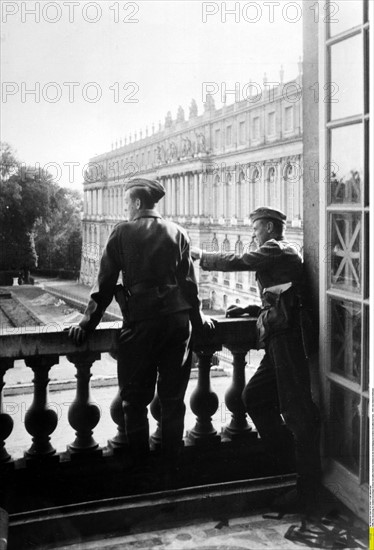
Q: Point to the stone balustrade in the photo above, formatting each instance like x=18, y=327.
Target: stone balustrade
x=41, y=347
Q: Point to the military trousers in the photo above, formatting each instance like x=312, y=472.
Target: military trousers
x=150, y=352
x=281, y=388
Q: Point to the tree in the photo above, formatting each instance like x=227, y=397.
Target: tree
x=39, y=220
x=59, y=237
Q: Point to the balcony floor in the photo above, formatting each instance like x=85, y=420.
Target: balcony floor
x=252, y=532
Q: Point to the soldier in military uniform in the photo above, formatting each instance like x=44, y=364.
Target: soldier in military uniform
x=281, y=385
x=159, y=301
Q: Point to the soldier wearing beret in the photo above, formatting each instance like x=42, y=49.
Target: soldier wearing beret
x=159, y=301
x=281, y=384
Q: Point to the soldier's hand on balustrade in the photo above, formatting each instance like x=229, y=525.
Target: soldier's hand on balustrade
x=235, y=311
x=208, y=323
x=78, y=335
x=196, y=253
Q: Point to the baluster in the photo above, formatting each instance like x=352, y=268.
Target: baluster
x=238, y=427
x=204, y=403
x=119, y=441
x=40, y=420
x=6, y=421
x=155, y=409
x=83, y=413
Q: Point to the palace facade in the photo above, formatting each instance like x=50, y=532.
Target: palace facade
x=216, y=167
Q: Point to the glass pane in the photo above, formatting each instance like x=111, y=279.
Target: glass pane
x=365, y=443
x=345, y=267
x=367, y=70
x=366, y=348
x=344, y=427
x=345, y=338
x=346, y=95
x=343, y=15
x=347, y=164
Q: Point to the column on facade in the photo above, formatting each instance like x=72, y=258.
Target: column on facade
x=298, y=187
x=180, y=195
x=191, y=194
x=238, y=196
x=233, y=211
x=195, y=194
x=97, y=241
x=160, y=204
x=122, y=199
x=186, y=195
x=94, y=206
x=201, y=207
x=100, y=204
x=167, y=196
x=85, y=201
x=91, y=202
x=278, y=184
x=176, y=195
x=215, y=197
x=226, y=195
x=283, y=167
x=173, y=193
x=221, y=198
x=262, y=189
x=245, y=196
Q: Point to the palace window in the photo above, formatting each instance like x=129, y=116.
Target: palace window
x=252, y=282
x=239, y=280
x=217, y=138
x=271, y=124
x=256, y=128
x=288, y=119
x=228, y=135
x=242, y=132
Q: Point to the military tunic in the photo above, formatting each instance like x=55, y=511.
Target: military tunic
x=159, y=298
x=281, y=384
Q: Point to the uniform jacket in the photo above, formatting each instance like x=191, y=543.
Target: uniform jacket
x=153, y=257
x=276, y=262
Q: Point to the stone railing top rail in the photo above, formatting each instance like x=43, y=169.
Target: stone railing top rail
x=22, y=342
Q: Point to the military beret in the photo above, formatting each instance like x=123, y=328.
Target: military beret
x=155, y=187
x=267, y=213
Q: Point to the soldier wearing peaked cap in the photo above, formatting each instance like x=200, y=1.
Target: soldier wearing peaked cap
x=159, y=301
x=281, y=384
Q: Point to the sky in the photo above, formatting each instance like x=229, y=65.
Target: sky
x=77, y=76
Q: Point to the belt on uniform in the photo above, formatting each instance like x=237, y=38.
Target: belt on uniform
x=137, y=288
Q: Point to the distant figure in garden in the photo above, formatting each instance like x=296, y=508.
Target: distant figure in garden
x=159, y=302
x=281, y=384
